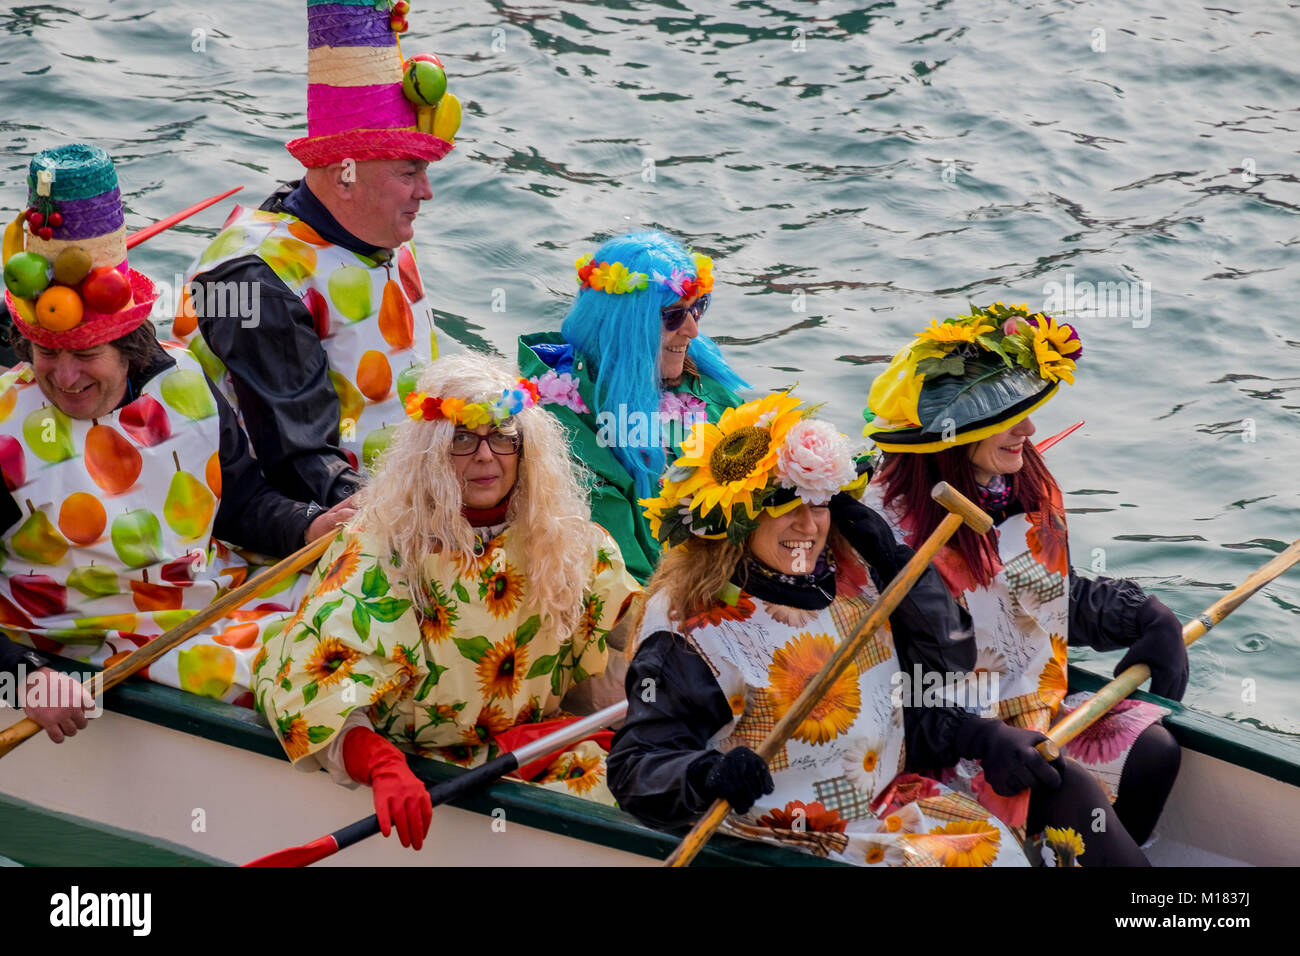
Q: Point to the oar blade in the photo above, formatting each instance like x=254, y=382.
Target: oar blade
x=304, y=855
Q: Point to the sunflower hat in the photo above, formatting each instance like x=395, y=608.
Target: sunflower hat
x=969, y=377
x=766, y=456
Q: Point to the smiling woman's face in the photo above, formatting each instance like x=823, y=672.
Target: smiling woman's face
x=1001, y=454
x=85, y=384
x=792, y=543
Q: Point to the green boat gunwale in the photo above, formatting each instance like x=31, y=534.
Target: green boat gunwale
x=1235, y=743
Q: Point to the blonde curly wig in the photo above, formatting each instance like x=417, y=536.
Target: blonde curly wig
x=412, y=504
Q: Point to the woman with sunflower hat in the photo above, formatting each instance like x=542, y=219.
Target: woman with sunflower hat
x=771, y=564
x=954, y=406
x=465, y=603
x=629, y=373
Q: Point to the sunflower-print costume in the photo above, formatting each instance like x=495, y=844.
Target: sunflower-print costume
x=1022, y=627
x=841, y=792
x=441, y=679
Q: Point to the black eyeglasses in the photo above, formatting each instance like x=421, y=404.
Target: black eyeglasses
x=499, y=443
x=674, y=316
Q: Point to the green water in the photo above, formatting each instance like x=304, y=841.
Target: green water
x=855, y=169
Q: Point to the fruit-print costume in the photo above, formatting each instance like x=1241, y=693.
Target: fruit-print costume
x=442, y=680
x=1026, y=619
x=613, y=498
x=343, y=329
x=722, y=679
x=121, y=521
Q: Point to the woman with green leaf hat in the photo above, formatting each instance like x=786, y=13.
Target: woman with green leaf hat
x=954, y=406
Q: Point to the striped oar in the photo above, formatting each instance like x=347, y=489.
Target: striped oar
x=1133, y=677
x=148, y=232
x=449, y=790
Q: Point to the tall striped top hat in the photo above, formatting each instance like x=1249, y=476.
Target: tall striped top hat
x=67, y=281
x=363, y=101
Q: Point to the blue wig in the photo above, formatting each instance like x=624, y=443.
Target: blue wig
x=616, y=333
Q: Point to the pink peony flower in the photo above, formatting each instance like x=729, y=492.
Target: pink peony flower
x=815, y=460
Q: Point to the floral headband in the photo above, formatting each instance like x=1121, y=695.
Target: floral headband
x=472, y=414
x=766, y=455
x=613, y=277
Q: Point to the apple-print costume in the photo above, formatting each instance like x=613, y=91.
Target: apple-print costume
x=341, y=333
x=444, y=680
x=723, y=679
x=1024, y=621
x=117, y=541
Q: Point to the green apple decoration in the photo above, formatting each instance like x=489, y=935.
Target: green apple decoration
x=137, y=538
x=187, y=391
x=207, y=670
x=94, y=580
x=169, y=619
x=189, y=505
x=376, y=443
x=48, y=433
x=212, y=366
x=349, y=288
x=27, y=274
x=38, y=540
x=228, y=242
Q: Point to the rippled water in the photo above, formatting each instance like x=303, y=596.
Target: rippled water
x=855, y=169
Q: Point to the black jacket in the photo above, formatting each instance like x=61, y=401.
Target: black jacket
x=660, y=758
x=280, y=369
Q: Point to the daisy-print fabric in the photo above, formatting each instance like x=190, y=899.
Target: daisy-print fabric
x=440, y=678
x=839, y=790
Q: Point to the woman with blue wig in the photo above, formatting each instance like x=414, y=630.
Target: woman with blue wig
x=629, y=373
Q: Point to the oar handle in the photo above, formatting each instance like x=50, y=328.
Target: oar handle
x=142, y=657
x=1080, y=719
x=962, y=510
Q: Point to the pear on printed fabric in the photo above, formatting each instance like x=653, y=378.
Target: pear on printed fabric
x=396, y=323
x=146, y=421
x=189, y=506
x=187, y=391
x=112, y=462
x=351, y=402
x=38, y=540
x=94, y=581
x=206, y=669
x=137, y=538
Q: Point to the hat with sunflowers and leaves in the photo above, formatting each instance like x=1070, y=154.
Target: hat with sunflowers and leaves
x=969, y=377
x=766, y=456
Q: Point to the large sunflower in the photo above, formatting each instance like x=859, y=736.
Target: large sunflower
x=1066, y=845
x=793, y=666
x=491, y=721
x=502, y=668
x=340, y=569
x=580, y=772
x=1053, y=683
x=331, y=661
x=501, y=590
x=962, y=843
x=736, y=457
x=293, y=734
x=439, y=618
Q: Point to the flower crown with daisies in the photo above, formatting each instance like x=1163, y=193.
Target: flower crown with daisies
x=613, y=277
x=768, y=455
x=473, y=413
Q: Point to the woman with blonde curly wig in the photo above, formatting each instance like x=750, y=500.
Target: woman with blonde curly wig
x=467, y=599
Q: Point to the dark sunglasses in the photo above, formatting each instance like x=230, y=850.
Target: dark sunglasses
x=499, y=443
x=675, y=316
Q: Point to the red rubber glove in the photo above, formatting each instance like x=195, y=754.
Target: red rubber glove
x=401, y=801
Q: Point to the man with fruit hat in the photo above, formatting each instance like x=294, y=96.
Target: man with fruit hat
x=124, y=461
x=342, y=327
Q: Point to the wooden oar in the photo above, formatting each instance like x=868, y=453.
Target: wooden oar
x=1047, y=443
x=962, y=509
x=12, y=736
x=1133, y=677
x=148, y=232
x=449, y=790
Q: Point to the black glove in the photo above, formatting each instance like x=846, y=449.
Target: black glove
x=1159, y=646
x=1007, y=754
x=740, y=778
